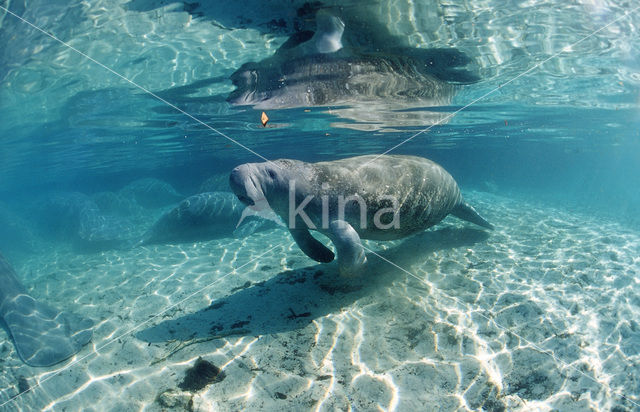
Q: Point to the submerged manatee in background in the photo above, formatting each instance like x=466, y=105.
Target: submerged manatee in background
x=43, y=336
x=204, y=216
x=151, y=192
x=77, y=218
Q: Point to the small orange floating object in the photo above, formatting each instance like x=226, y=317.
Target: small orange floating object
x=265, y=119
x=506, y=123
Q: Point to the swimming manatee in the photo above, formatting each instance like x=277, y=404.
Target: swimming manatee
x=383, y=197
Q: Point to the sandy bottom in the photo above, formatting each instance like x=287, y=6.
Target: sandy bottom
x=540, y=314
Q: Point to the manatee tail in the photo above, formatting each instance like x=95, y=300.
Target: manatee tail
x=466, y=212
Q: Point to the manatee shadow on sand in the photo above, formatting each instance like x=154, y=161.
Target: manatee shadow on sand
x=292, y=299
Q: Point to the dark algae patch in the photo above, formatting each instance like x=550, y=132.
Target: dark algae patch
x=201, y=374
x=240, y=324
x=299, y=315
x=23, y=384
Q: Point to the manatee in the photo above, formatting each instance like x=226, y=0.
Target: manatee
x=333, y=66
x=43, y=335
x=215, y=183
x=152, y=193
x=103, y=231
x=75, y=217
x=115, y=204
x=204, y=216
x=383, y=197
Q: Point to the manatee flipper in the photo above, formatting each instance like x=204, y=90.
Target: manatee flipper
x=311, y=246
x=43, y=336
x=328, y=37
x=466, y=212
x=351, y=255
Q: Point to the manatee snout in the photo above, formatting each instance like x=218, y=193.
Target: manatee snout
x=241, y=184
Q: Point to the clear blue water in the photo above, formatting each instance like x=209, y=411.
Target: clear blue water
x=546, y=143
